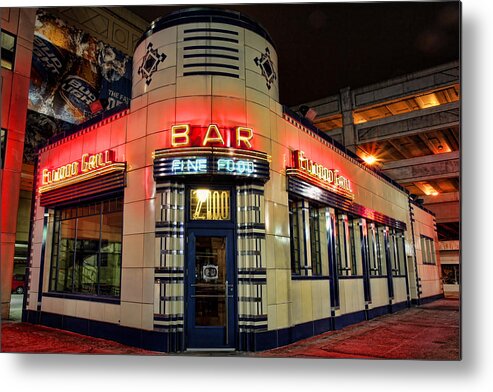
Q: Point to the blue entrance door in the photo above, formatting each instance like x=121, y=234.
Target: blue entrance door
x=211, y=290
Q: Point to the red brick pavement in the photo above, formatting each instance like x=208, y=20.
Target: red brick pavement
x=429, y=332
x=29, y=338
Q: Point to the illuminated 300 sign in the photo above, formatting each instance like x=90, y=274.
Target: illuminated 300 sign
x=320, y=175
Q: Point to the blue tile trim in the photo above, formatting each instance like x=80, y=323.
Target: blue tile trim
x=149, y=340
x=265, y=341
x=426, y=300
x=75, y=324
x=51, y=320
x=348, y=319
x=166, y=341
x=400, y=306
x=301, y=277
x=323, y=325
x=302, y=331
x=252, y=280
x=82, y=297
x=283, y=337
x=376, y=312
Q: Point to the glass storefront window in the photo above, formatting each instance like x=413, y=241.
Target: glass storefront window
x=87, y=249
x=209, y=204
x=315, y=241
x=3, y=146
x=8, y=50
x=428, y=250
x=295, y=238
x=355, y=243
x=343, y=261
x=401, y=252
x=450, y=273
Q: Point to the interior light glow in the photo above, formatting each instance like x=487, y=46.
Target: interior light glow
x=202, y=195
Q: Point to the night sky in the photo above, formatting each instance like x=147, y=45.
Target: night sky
x=325, y=47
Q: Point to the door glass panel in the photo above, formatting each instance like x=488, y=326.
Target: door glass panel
x=210, y=279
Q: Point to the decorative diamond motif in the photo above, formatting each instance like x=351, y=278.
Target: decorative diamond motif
x=267, y=67
x=150, y=62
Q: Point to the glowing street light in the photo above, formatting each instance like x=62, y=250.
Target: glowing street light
x=370, y=159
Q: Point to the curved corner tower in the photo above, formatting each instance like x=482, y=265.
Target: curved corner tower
x=205, y=87
x=207, y=64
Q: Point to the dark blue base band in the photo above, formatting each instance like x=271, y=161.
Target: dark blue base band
x=173, y=342
x=426, y=300
x=148, y=340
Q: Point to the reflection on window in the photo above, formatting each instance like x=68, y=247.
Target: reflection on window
x=450, y=273
x=397, y=252
x=8, y=49
x=315, y=241
x=355, y=244
x=428, y=250
x=3, y=146
x=343, y=246
x=87, y=249
x=294, y=226
x=376, y=242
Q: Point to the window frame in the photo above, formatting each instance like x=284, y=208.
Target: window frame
x=12, y=61
x=294, y=237
x=315, y=243
x=3, y=146
x=428, y=250
x=55, y=266
x=399, y=249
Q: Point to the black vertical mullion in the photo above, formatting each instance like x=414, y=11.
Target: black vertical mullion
x=352, y=243
x=99, y=248
x=408, y=292
x=57, y=233
x=365, y=261
x=345, y=228
x=395, y=269
x=387, y=261
x=304, y=207
x=378, y=248
x=331, y=243
x=75, y=249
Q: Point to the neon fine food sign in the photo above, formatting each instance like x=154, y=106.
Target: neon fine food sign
x=220, y=166
x=88, y=163
x=328, y=178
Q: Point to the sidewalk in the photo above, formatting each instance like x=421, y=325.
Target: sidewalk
x=430, y=331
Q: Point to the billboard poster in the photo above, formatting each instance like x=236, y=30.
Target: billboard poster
x=74, y=77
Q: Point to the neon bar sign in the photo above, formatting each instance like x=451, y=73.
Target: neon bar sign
x=87, y=163
x=220, y=166
x=323, y=175
x=184, y=135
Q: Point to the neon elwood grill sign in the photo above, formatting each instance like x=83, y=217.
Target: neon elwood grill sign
x=319, y=175
x=88, y=166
